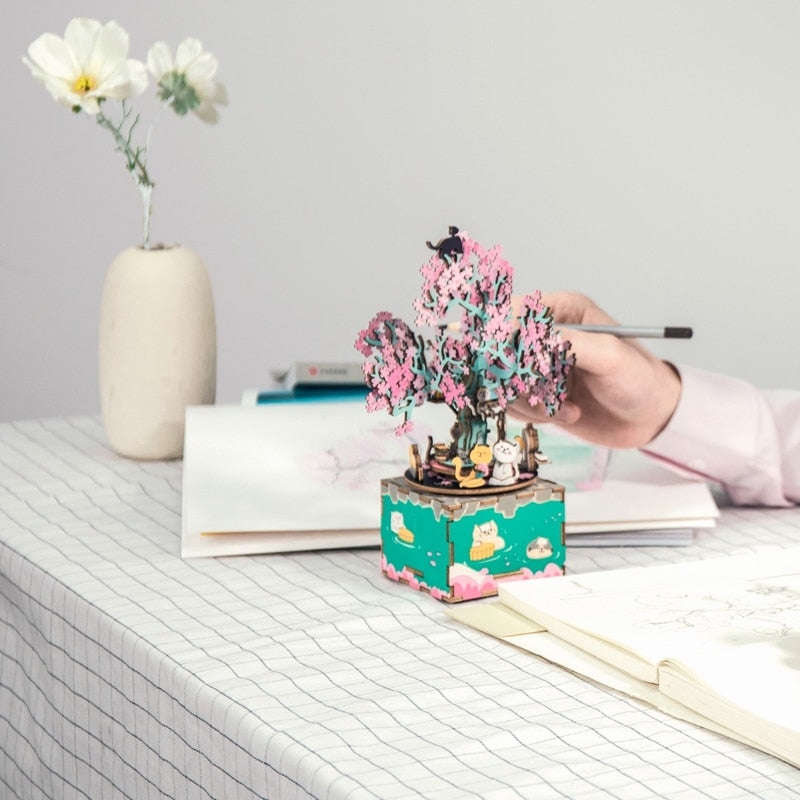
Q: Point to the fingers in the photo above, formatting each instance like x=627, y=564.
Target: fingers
x=600, y=353
x=521, y=409
x=571, y=307
x=576, y=308
x=568, y=414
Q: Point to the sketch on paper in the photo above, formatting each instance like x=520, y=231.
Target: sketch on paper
x=763, y=608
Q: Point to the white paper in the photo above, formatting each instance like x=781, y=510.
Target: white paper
x=297, y=476
x=631, y=506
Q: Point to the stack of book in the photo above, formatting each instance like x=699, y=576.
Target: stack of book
x=311, y=381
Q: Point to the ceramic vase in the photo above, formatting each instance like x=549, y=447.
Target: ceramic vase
x=157, y=349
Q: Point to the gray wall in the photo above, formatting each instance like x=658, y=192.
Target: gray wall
x=646, y=153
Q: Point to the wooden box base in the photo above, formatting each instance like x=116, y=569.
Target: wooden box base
x=459, y=547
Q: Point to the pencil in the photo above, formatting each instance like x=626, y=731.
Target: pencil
x=633, y=331
x=623, y=331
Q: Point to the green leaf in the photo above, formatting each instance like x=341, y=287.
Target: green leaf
x=177, y=92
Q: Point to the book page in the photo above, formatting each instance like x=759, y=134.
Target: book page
x=694, y=613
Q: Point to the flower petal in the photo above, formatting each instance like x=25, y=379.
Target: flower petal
x=50, y=55
x=110, y=47
x=80, y=36
x=81, y=33
x=126, y=79
x=188, y=50
x=212, y=91
x=202, y=68
x=159, y=60
x=88, y=103
x=137, y=77
x=61, y=92
x=219, y=95
x=206, y=112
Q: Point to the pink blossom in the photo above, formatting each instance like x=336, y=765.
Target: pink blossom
x=404, y=428
x=454, y=393
x=550, y=571
x=511, y=357
x=469, y=587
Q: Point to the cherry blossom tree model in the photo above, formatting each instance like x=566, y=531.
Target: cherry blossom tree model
x=479, y=353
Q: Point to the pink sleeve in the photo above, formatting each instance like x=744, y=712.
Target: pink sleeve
x=725, y=430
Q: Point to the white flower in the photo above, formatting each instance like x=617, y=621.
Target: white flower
x=88, y=65
x=187, y=82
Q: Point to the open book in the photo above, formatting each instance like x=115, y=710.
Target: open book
x=716, y=642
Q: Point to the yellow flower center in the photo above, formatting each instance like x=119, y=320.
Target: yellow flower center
x=83, y=84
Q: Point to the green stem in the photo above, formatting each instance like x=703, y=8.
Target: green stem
x=135, y=160
x=146, y=191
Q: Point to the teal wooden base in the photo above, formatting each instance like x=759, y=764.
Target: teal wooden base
x=459, y=547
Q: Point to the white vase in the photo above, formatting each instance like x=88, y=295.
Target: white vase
x=158, y=349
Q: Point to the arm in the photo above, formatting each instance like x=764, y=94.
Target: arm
x=725, y=430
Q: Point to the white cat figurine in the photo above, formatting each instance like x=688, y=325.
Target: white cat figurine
x=506, y=463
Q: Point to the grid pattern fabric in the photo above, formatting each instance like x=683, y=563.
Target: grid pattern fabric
x=128, y=672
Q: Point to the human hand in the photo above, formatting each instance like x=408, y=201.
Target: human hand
x=619, y=394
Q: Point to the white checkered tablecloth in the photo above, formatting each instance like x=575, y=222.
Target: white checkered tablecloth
x=126, y=671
